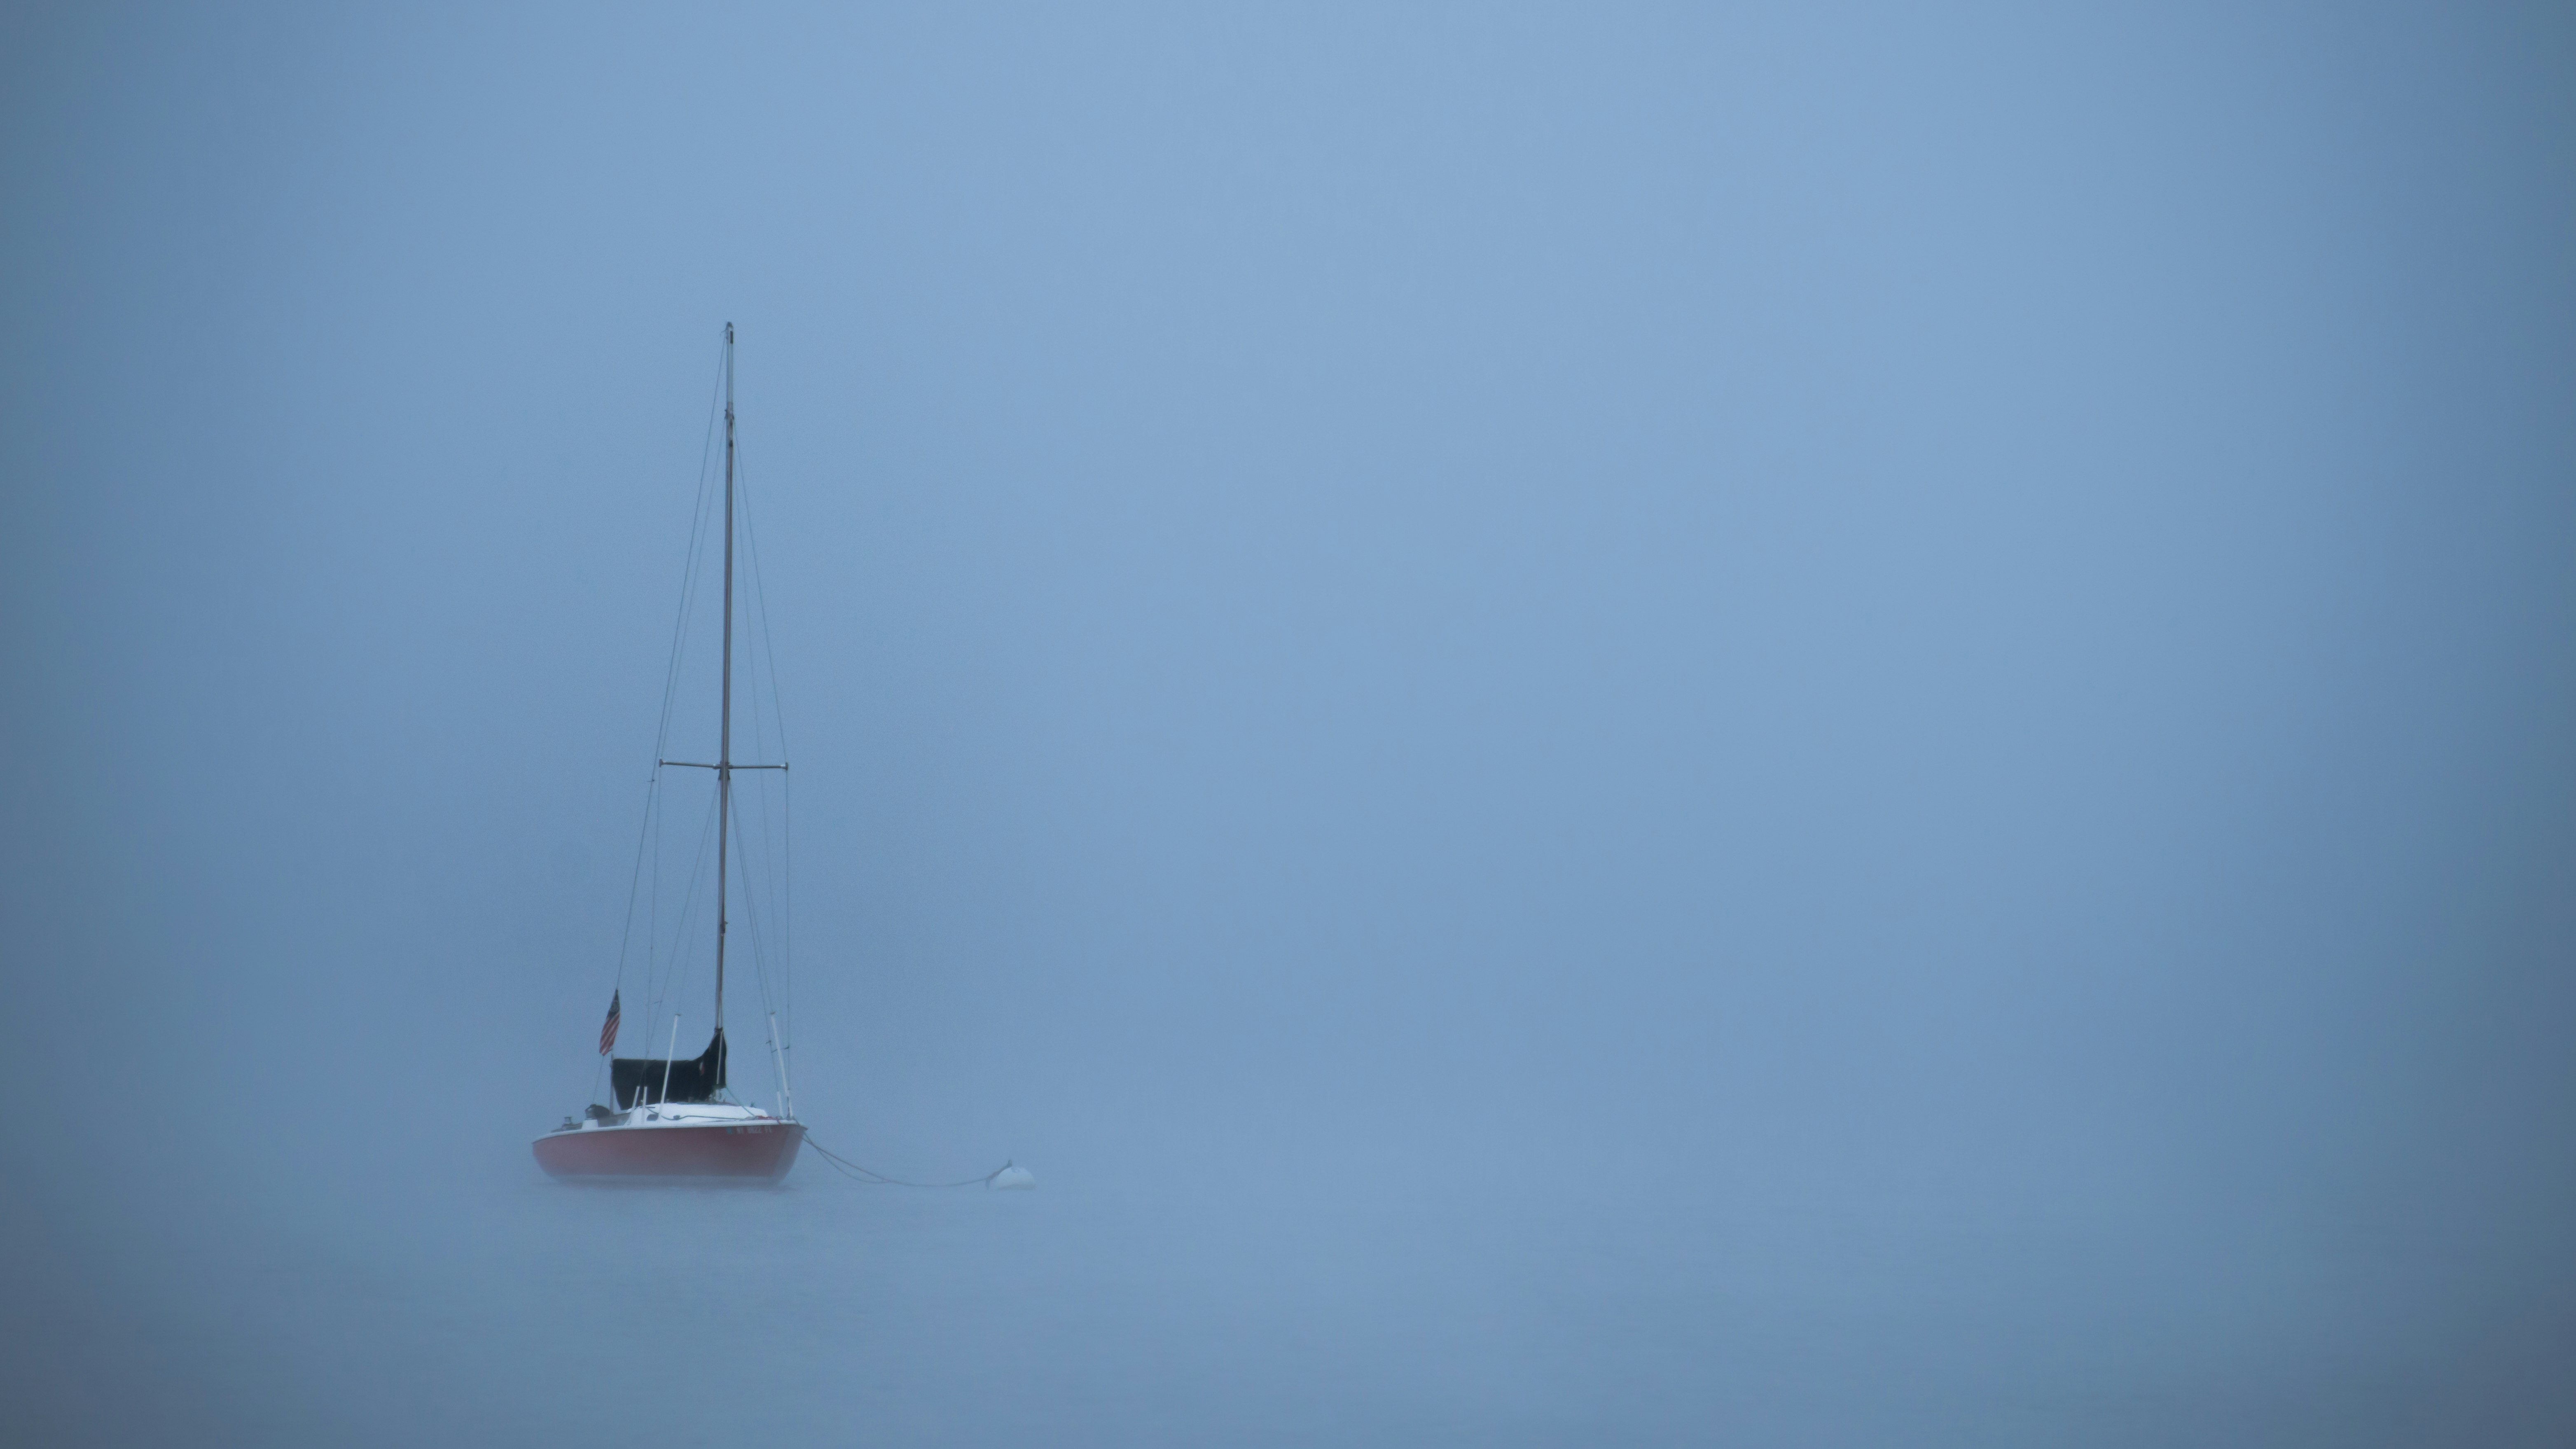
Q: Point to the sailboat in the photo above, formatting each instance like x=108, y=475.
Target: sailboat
x=674, y=1119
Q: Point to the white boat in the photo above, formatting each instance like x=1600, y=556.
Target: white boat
x=674, y=1118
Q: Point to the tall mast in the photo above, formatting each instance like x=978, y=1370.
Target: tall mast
x=724, y=733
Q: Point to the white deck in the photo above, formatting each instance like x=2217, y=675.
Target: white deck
x=678, y=1114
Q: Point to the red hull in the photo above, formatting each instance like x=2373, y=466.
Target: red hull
x=751, y=1152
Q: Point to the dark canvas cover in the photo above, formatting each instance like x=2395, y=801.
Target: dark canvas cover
x=638, y=1080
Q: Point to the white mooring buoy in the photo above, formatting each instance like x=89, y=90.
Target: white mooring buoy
x=1012, y=1179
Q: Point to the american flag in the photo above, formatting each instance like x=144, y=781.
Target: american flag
x=608, y=1029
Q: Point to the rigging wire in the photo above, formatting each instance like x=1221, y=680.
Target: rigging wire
x=692, y=576
x=693, y=573
x=782, y=881
x=626, y=934
x=786, y=877
x=676, y=963
x=648, y=829
x=751, y=928
x=680, y=929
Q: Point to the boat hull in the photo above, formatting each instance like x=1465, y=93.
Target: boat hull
x=751, y=1153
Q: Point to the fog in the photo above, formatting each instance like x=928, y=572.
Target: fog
x=1822, y=725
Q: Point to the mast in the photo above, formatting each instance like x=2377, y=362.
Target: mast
x=724, y=731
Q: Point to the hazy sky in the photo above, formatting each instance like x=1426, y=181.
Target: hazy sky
x=1963, y=611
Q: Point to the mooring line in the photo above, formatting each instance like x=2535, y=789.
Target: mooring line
x=874, y=1178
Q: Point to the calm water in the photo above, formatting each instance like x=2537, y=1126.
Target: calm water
x=496, y=1307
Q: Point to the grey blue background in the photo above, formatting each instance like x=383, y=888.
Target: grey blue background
x=1804, y=724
